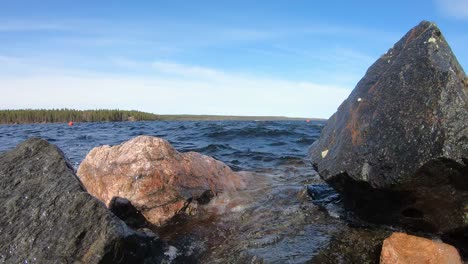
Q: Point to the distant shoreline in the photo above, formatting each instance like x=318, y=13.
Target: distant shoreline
x=234, y=118
x=46, y=116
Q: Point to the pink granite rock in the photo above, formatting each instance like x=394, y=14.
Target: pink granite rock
x=158, y=180
x=401, y=248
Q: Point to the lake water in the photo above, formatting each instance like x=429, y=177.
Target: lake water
x=274, y=219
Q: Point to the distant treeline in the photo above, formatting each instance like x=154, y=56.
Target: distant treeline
x=66, y=115
x=26, y=116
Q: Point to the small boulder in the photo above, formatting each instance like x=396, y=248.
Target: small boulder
x=158, y=180
x=401, y=248
x=48, y=217
x=397, y=148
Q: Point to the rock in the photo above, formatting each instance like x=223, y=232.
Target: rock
x=459, y=239
x=322, y=194
x=124, y=210
x=397, y=148
x=401, y=248
x=154, y=177
x=327, y=199
x=48, y=217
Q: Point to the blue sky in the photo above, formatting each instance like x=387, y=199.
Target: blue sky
x=290, y=58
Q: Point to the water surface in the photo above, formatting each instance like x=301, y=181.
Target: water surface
x=273, y=220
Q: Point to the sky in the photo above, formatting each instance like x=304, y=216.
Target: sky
x=272, y=58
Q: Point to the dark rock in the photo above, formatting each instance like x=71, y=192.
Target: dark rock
x=206, y=197
x=124, y=210
x=322, y=194
x=48, y=217
x=327, y=199
x=459, y=239
x=397, y=148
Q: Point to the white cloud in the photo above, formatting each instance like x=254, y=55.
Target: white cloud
x=454, y=8
x=187, y=89
x=123, y=62
x=187, y=70
x=27, y=25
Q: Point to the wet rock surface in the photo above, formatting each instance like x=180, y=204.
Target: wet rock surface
x=272, y=220
x=353, y=245
x=159, y=181
x=327, y=199
x=48, y=217
x=401, y=248
x=397, y=148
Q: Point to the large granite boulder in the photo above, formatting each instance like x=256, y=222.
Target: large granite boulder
x=159, y=181
x=397, y=148
x=47, y=216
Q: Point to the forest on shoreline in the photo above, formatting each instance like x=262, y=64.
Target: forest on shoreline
x=29, y=116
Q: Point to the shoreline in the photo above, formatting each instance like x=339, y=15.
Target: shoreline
x=50, y=116
x=184, y=118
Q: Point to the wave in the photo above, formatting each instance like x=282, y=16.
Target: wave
x=249, y=132
x=214, y=148
x=306, y=140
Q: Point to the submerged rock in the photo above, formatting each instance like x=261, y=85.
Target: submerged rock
x=353, y=245
x=47, y=216
x=326, y=198
x=159, y=181
x=397, y=148
x=322, y=194
x=401, y=248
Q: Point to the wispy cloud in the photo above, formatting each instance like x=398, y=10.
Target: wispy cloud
x=191, y=89
x=188, y=71
x=111, y=65
x=28, y=25
x=338, y=65
x=199, y=33
x=453, y=8
x=123, y=62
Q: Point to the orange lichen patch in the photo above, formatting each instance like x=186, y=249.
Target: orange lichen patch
x=353, y=124
x=411, y=36
x=414, y=35
x=372, y=89
x=353, y=128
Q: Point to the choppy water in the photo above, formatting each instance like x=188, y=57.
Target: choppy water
x=241, y=145
x=273, y=220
